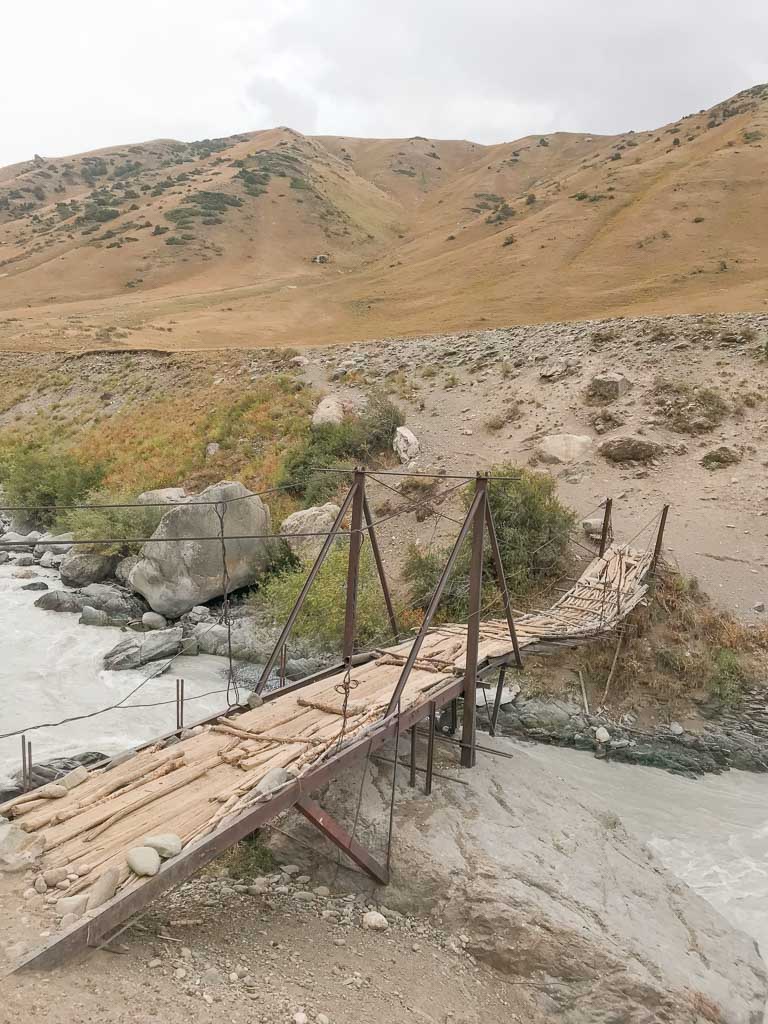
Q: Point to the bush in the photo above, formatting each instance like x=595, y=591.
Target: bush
x=357, y=438
x=321, y=621
x=33, y=477
x=118, y=525
x=533, y=529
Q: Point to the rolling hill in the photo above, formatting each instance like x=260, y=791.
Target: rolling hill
x=210, y=244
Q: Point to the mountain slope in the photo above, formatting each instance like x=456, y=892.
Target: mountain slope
x=191, y=245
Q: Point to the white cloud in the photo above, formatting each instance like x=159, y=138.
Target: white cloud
x=85, y=74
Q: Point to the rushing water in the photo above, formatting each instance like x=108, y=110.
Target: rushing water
x=50, y=669
x=711, y=832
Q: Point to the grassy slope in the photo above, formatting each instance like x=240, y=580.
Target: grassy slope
x=677, y=228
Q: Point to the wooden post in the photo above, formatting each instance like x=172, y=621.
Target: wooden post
x=468, y=756
x=659, y=540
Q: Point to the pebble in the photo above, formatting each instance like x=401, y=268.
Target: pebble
x=143, y=860
x=291, y=869
x=40, y=885
x=300, y=1018
x=375, y=922
x=156, y=962
x=322, y=890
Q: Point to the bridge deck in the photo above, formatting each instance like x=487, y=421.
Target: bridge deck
x=203, y=788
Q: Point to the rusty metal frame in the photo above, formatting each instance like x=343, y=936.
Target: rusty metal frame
x=607, y=513
x=469, y=725
x=502, y=580
x=356, y=538
x=90, y=931
x=659, y=542
x=326, y=824
x=322, y=555
x=380, y=568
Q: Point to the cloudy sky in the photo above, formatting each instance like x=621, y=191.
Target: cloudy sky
x=88, y=73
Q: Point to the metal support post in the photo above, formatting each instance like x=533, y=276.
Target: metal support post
x=497, y=701
x=502, y=581
x=338, y=835
x=430, y=747
x=24, y=763
x=323, y=553
x=353, y=566
x=473, y=625
x=380, y=568
x=606, y=525
x=414, y=741
x=659, y=541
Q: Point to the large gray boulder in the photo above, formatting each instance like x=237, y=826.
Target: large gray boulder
x=564, y=448
x=175, y=574
x=61, y=601
x=549, y=888
x=330, y=410
x=141, y=648
x=80, y=567
x=163, y=496
x=630, y=449
x=607, y=387
x=318, y=519
x=118, y=604
x=406, y=445
x=54, y=544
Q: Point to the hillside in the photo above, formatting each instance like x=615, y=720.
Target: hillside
x=210, y=244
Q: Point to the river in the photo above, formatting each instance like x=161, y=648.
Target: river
x=711, y=832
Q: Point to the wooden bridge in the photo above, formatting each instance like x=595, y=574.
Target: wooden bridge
x=217, y=782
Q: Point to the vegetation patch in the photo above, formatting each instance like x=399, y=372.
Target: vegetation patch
x=688, y=409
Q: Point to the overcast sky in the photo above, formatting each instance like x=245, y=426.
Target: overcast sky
x=83, y=74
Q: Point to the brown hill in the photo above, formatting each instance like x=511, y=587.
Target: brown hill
x=208, y=244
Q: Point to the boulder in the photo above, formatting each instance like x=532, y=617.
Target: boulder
x=79, y=567
x=593, y=527
x=142, y=648
x=406, y=445
x=564, y=448
x=37, y=585
x=93, y=617
x=153, y=620
x=174, y=577
x=330, y=410
x=13, y=541
x=18, y=850
x=117, y=602
x=373, y=921
x=162, y=496
x=143, y=860
x=124, y=567
x=54, y=545
x=167, y=845
x=607, y=387
x=74, y=905
x=318, y=519
x=49, y=561
x=61, y=601
x=630, y=449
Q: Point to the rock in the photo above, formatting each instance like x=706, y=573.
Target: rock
x=330, y=410
x=300, y=1018
x=49, y=561
x=53, y=876
x=68, y=920
x=255, y=700
x=143, y=860
x=4, y=557
x=212, y=449
x=13, y=541
x=167, y=845
x=318, y=519
x=564, y=448
x=163, y=496
x=53, y=544
x=199, y=614
x=719, y=457
x=676, y=729
x=607, y=386
x=24, y=561
x=40, y=885
x=53, y=791
x=593, y=527
x=176, y=577
x=18, y=850
x=142, y=648
x=117, y=602
x=79, y=567
x=93, y=617
x=124, y=567
x=37, y=585
x=75, y=905
x=274, y=779
x=61, y=601
x=375, y=922
x=759, y=607
x=153, y=620
x=406, y=445
x=602, y=735
x=75, y=778
x=103, y=889
x=630, y=449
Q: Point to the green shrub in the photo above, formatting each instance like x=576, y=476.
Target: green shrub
x=321, y=620
x=533, y=529
x=728, y=676
x=34, y=477
x=355, y=439
x=118, y=525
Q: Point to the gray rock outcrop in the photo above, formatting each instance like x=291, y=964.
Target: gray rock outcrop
x=175, y=574
x=405, y=445
x=80, y=567
x=630, y=449
x=545, y=883
x=330, y=410
x=607, y=387
x=318, y=519
x=564, y=448
x=142, y=648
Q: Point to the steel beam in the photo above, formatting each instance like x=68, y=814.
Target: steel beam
x=380, y=567
x=502, y=580
x=356, y=537
x=331, y=829
x=473, y=624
